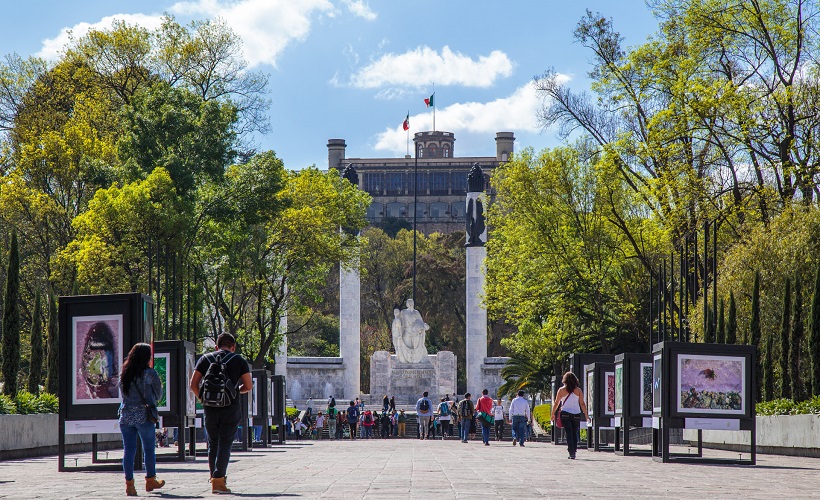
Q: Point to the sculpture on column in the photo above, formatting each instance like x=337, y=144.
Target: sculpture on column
x=476, y=228
x=408, y=334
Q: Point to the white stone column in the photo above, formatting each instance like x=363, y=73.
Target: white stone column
x=476, y=345
x=280, y=359
x=349, y=328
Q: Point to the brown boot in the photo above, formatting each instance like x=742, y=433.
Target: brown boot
x=130, y=490
x=218, y=486
x=152, y=484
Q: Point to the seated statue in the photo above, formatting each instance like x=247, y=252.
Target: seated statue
x=408, y=335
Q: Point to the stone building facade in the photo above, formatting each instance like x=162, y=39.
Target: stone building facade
x=442, y=179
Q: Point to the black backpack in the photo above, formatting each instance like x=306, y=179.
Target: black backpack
x=424, y=405
x=217, y=389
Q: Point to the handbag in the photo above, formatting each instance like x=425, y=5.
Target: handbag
x=486, y=418
x=558, y=422
x=151, y=412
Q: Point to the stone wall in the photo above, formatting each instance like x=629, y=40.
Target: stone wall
x=407, y=382
x=316, y=378
x=797, y=435
x=491, y=374
x=23, y=436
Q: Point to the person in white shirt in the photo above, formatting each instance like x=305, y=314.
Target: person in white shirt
x=498, y=415
x=520, y=416
x=320, y=425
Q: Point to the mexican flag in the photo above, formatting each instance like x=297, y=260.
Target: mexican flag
x=406, y=124
x=429, y=100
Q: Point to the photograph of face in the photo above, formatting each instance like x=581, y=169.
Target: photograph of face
x=161, y=362
x=712, y=384
x=656, y=383
x=96, y=358
x=646, y=388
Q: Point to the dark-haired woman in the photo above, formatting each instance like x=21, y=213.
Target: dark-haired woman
x=140, y=387
x=571, y=409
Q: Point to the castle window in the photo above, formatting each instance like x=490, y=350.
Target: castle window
x=374, y=182
x=438, y=182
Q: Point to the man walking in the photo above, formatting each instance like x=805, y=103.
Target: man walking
x=498, y=415
x=331, y=421
x=352, y=419
x=444, y=417
x=465, y=414
x=402, y=422
x=485, y=408
x=520, y=416
x=221, y=372
x=424, y=409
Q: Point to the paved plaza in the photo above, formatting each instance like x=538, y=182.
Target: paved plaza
x=388, y=469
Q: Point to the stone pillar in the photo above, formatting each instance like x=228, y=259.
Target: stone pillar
x=350, y=303
x=349, y=329
x=280, y=359
x=504, y=145
x=476, y=313
x=335, y=153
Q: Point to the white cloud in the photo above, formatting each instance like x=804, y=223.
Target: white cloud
x=266, y=27
x=53, y=47
x=514, y=113
x=424, y=66
x=361, y=9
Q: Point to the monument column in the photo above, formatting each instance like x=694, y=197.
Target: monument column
x=476, y=314
x=280, y=359
x=350, y=314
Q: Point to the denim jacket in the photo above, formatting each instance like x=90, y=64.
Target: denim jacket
x=132, y=409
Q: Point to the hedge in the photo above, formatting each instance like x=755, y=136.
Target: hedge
x=541, y=414
x=26, y=403
x=789, y=407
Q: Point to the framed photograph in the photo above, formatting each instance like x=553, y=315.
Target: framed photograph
x=252, y=402
x=590, y=386
x=619, y=389
x=190, y=399
x=656, y=382
x=609, y=377
x=711, y=384
x=162, y=362
x=96, y=355
x=646, y=388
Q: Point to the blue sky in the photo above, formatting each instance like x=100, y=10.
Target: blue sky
x=353, y=69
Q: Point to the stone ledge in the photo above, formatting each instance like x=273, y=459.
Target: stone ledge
x=311, y=360
x=794, y=435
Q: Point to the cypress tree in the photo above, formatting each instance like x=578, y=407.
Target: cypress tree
x=721, y=331
x=11, y=321
x=814, y=336
x=785, y=330
x=768, y=373
x=35, y=370
x=731, y=324
x=53, y=346
x=754, y=333
x=708, y=331
x=796, y=341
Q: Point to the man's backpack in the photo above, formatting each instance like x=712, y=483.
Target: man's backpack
x=444, y=409
x=424, y=405
x=217, y=389
x=368, y=418
x=464, y=409
x=331, y=413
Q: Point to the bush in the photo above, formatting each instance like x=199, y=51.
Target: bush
x=291, y=412
x=541, y=414
x=26, y=403
x=7, y=405
x=789, y=407
x=47, y=403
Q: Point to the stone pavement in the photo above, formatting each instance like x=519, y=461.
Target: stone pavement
x=390, y=469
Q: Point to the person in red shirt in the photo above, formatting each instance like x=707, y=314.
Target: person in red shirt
x=484, y=407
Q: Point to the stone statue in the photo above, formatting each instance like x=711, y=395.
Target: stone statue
x=408, y=334
x=476, y=227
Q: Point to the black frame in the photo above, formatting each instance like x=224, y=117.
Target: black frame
x=137, y=312
x=278, y=405
x=556, y=434
x=597, y=418
x=630, y=415
x=670, y=417
x=177, y=415
x=261, y=384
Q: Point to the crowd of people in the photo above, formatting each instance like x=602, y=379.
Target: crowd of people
x=443, y=419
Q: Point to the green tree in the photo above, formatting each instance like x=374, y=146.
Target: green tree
x=35, y=369
x=768, y=369
x=53, y=365
x=785, y=328
x=731, y=325
x=755, y=336
x=11, y=321
x=814, y=336
x=525, y=372
x=721, y=327
x=796, y=342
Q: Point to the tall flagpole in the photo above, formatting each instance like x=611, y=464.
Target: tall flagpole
x=415, y=209
x=434, y=107
x=408, y=132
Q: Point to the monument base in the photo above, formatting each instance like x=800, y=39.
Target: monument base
x=407, y=382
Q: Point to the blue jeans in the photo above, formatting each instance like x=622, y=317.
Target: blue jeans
x=148, y=437
x=485, y=432
x=465, y=429
x=572, y=429
x=519, y=425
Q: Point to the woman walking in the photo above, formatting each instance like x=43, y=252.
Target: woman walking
x=140, y=388
x=571, y=409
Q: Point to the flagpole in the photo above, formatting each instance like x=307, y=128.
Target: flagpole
x=408, y=135
x=434, y=108
x=415, y=209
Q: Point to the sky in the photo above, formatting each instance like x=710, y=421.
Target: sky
x=354, y=69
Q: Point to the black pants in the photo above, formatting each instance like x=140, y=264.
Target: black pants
x=499, y=429
x=221, y=424
x=572, y=429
